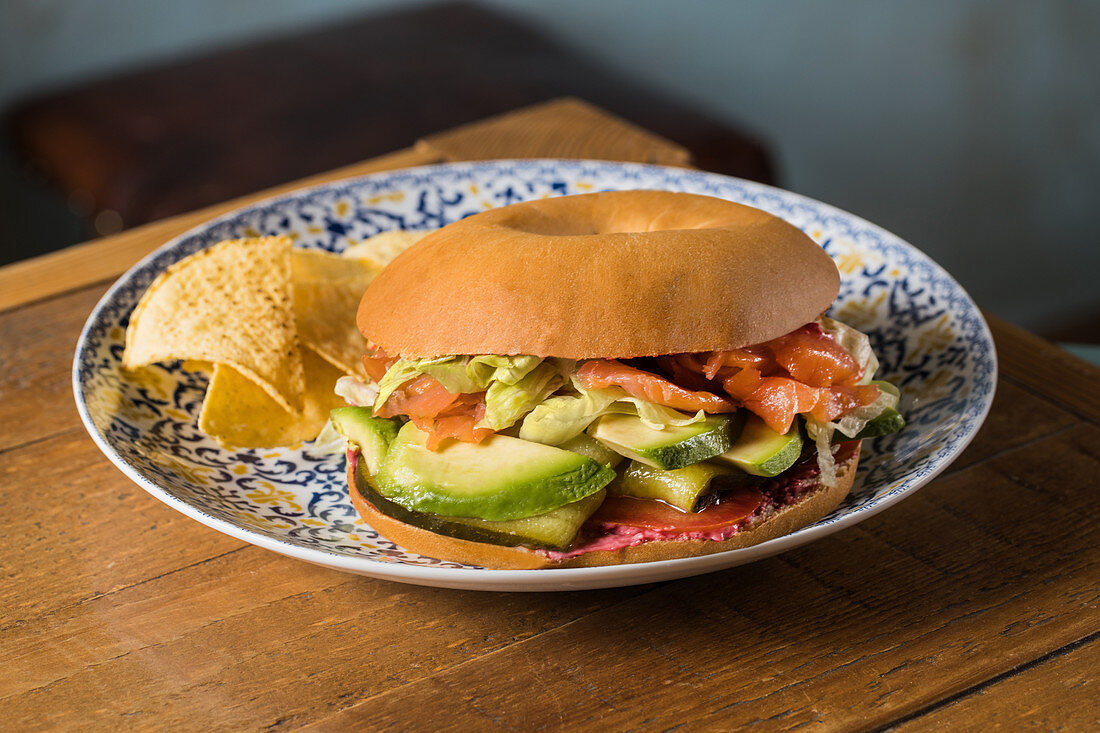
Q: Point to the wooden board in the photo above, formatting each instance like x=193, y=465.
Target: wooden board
x=969, y=605
x=572, y=129
x=1058, y=691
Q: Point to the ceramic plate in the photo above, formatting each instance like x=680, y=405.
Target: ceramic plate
x=927, y=332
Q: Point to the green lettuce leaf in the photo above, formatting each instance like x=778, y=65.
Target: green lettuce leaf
x=506, y=403
x=461, y=374
x=455, y=374
x=506, y=369
x=400, y=371
x=560, y=418
x=516, y=386
x=655, y=416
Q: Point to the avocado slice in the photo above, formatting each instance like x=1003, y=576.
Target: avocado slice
x=372, y=435
x=671, y=448
x=594, y=449
x=554, y=530
x=690, y=489
x=761, y=451
x=501, y=478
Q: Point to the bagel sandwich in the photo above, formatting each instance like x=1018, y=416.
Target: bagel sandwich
x=606, y=378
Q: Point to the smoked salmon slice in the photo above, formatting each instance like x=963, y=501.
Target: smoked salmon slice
x=440, y=414
x=687, y=370
x=775, y=399
x=746, y=358
x=811, y=357
x=599, y=373
x=841, y=399
x=376, y=364
x=802, y=372
x=420, y=398
x=457, y=421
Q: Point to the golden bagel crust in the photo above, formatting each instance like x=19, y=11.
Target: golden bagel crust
x=616, y=274
x=813, y=506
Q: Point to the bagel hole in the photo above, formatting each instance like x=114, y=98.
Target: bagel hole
x=579, y=223
x=545, y=226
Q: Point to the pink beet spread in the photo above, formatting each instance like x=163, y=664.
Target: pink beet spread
x=779, y=492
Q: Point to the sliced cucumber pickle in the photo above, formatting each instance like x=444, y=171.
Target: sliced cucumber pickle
x=668, y=449
x=594, y=449
x=886, y=422
x=554, y=530
x=372, y=435
x=761, y=451
x=501, y=478
x=690, y=489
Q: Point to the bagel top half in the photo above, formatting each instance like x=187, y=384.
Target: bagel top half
x=617, y=274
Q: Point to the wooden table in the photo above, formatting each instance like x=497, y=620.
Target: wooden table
x=971, y=604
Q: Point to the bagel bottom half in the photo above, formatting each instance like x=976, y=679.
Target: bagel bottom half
x=814, y=504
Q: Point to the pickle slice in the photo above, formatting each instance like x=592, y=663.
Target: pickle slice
x=689, y=489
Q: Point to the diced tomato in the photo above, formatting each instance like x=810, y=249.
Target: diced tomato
x=599, y=373
x=656, y=515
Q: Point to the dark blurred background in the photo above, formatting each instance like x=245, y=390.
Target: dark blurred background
x=972, y=129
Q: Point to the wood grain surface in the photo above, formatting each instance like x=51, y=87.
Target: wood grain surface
x=970, y=605
x=564, y=128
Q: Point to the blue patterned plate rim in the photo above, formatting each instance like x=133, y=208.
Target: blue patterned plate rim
x=979, y=401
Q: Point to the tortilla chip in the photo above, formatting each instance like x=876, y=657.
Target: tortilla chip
x=239, y=414
x=379, y=250
x=229, y=305
x=326, y=293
